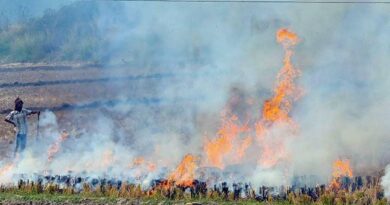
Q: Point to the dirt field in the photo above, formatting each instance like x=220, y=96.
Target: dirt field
x=75, y=92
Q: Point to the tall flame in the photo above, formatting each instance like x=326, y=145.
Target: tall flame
x=278, y=107
x=276, y=110
x=55, y=147
x=184, y=174
x=225, y=144
x=229, y=144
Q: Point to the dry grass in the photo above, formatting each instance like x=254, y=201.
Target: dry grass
x=131, y=192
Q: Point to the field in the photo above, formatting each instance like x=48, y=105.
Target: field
x=128, y=194
x=74, y=92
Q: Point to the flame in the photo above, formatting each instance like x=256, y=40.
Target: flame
x=243, y=147
x=276, y=110
x=108, y=158
x=138, y=161
x=341, y=168
x=141, y=162
x=6, y=168
x=184, y=174
x=55, y=147
x=152, y=167
x=224, y=144
x=228, y=144
x=286, y=37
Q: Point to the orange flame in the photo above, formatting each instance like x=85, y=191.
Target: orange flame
x=278, y=107
x=55, y=147
x=184, y=174
x=220, y=147
x=243, y=147
x=152, y=167
x=276, y=110
x=6, y=168
x=140, y=161
x=108, y=158
x=341, y=168
x=286, y=37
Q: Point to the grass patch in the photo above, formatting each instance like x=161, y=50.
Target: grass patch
x=26, y=192
x=20, y=197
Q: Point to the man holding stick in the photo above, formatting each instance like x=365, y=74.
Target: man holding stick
x=18, y=118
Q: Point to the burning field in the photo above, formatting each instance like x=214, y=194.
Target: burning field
x=262, y=120
x=227, y=168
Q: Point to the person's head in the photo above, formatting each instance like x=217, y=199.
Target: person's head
x=18, y=104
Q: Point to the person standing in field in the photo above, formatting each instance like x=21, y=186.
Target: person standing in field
x=18, y=118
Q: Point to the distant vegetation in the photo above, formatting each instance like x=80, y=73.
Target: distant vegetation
x=98, y=32
x=67, y=34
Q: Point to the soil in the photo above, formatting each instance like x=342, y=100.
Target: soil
x=89, y=89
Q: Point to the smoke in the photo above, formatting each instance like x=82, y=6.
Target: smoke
x=385, y=183
x=225, y=56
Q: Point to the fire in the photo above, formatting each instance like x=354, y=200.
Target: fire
x=224, y=144
x=276, y=110
x=341, y=168
x=184, y=174
x=108, y=158
x=243, y=147
x=152, y=167
x=229, y=145
x=285, y=36
x=140, y=162
x=55, y=148
x=278, y=107
x=6, y=169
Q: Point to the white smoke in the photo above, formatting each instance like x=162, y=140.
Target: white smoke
x=385, y=182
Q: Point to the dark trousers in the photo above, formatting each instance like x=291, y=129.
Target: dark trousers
x=20, y=143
